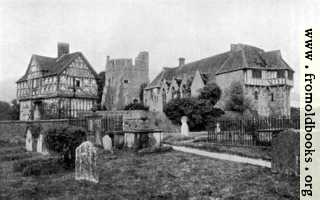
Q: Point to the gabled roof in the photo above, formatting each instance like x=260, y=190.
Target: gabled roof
x=54, y=66
x=240, y=56
x=249, y=57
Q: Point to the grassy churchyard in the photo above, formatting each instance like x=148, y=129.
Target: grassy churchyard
x=128, y=175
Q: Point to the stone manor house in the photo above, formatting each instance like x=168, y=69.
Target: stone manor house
x=265, y=77
x=57, y=87
x=62, y=87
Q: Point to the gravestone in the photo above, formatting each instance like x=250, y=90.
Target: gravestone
x=29, y=140
x=41, y=147
x=218, y=130
x=86, y=162
x=107, y=143
x=184, y=126
x=286, y=152
x=95, y=129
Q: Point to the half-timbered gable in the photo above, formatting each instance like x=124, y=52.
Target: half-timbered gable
x=57, y=87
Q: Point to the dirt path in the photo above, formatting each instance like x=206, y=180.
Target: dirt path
x=224, y=156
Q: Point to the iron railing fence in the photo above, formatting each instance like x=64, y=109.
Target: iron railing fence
x=112, y=123
x=249, y=132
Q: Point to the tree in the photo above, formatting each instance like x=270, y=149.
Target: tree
x=5, y=110
x=101, y=83
x=199, y=112
x=210, y=92
x=14, y=110
x=135, y=106
x=237, y=100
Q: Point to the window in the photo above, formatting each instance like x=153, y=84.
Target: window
x=256, y=73
x=77, y=83
x=290, y=75
x=125, y=81
x=256, y=95
x=280, y=74
x=272, y=97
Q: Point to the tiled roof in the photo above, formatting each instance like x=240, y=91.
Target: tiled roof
x=242, y=57
x=52, y=66
x=253, y=58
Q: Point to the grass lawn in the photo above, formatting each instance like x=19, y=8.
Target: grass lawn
x=171, y=175
x=199, y=142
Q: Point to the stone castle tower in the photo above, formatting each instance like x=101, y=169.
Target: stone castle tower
x=123, y=80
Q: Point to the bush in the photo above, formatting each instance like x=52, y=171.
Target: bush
x=64, y=141
x=210, y=92
x=136, y=106
x=199, y=112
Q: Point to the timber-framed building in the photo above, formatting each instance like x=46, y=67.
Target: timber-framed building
x=58, y=87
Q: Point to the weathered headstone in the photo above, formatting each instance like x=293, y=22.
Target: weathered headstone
x=184, y=126
x=29, y=140
x=86, y=162
x=107, y=143
x=217, y=132
x=41, y=147
x=286, y=152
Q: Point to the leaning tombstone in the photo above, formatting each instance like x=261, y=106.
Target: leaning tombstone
x=41, y=147
x=184, y=126
x=86, y=162
x=107, y=143
x=29, y=140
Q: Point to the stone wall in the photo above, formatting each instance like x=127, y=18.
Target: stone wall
x=266, y=105
x=123, y=80
x=140, y=119
x=14, y=131
x=286, y=152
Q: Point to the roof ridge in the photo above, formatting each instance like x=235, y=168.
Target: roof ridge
x=37, y=55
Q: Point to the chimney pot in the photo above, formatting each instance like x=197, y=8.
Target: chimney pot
x=63, y=48
x=181, y=61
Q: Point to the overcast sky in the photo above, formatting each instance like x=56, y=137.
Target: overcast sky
x=169, y=29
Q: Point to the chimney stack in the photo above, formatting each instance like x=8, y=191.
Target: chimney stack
x=63, y=48
x=181, y=61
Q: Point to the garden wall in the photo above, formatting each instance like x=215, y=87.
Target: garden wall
x=139, y=119
x=14, y=131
